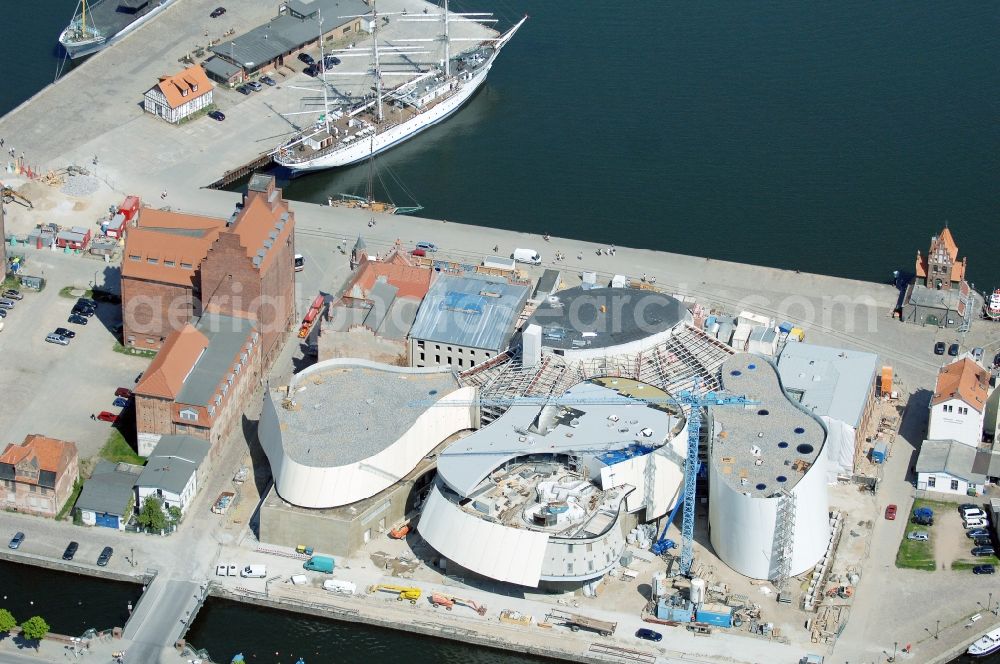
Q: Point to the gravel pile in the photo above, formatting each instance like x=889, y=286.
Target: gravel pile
x=80, y=185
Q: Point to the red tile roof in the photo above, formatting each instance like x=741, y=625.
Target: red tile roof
x=965, y=380
x=411, y=281
x=181, y=88
x=170, y=239
x=165, y=376
x=51, y=454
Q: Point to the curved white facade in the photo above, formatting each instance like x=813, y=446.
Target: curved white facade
x=303, y=482
x=760, y=455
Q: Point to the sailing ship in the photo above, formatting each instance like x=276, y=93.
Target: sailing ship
x=99, y=23
x=368, y=202
x=353, y=133
x=991, y=309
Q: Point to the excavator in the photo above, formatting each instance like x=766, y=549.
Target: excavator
x=402, y=592
x=11, y=196
x=448, y=601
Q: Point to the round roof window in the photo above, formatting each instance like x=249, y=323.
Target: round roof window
x=804, y=448
x=735, y=372
x=782, y=444
x=763, y=411
x=432, y=392
x=761, y=486
x=751, y=366
x=781, y=478
x=799, y=430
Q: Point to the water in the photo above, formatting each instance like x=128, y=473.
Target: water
x=266, y=636
x=70, y=603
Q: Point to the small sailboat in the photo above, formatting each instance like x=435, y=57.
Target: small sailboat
x=367, y=201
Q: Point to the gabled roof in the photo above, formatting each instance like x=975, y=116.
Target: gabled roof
x=181, y=88
x=954, y=458
x=165, y=376
x=176, y=241
x=173, y=461
x=46, y=456
x=109, y=489
x=964, y=380
x=227, y=336
x=957, y=266
x=263, y=224
x=409, y=280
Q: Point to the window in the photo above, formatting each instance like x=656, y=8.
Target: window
x=190, y=415
x=243, y=358
x=225, y=389
x=459, y=361
x=437, y=359
x=152, y=261
x=185, y=266
x=421, y=357
x=962, y=410
x=211, y=411
x=420, y=343
x=236, y=369
x=931, y=481
x=169, y=263
x=150, y=340
x=229, y=379
x=134, y=257
x=954, y=485
x=947, y=408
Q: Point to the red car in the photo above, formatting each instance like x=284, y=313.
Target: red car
x=890, y=512
x=105, y=416
x=123, y=392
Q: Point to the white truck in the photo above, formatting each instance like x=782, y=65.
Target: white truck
x=529, y=256
x=254, y=572
x=338, y=586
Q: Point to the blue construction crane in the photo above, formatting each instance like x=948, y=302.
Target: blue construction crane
x=696, y=402
x=562, y=400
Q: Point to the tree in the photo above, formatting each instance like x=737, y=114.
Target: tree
x=151, y=515
x=34, y=628
x=175, y=514
x=7, y=621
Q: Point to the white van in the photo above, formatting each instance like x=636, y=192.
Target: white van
x=342, y=587
x=527, y=256
x=254, y=572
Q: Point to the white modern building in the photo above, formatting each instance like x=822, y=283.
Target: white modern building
x=542, y=494
x=837, y=385
x=949, y=466
x=958, y=406
x=171, y=472
x=768, y=508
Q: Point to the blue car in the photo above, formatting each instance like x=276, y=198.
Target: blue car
x=120, y=402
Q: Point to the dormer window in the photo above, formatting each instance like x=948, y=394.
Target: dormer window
x=189, y=414
x=184, y=92
x=194, y=88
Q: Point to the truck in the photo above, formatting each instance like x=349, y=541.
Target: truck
x=338, y=586
x=529, y=256
x=254, y=572
x=408, y=593
x=319, y=564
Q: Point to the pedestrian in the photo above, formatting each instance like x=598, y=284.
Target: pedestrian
x=644, y=277
x=1, y=142
x=93, y=417
x=496, y=248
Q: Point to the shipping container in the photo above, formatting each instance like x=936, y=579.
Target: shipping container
x=880, y=452
x=718, y=615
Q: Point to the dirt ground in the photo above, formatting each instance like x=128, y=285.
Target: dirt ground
x=950, y=542
x=52, y=206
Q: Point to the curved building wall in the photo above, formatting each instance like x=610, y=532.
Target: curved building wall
x=629, y=348
x=333, y=486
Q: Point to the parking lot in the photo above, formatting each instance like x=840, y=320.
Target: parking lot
x=51, y=389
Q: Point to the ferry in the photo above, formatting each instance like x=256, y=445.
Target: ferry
x=987, y=644
x=991, y=309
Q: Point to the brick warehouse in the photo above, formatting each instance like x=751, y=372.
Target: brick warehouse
x=178, y=266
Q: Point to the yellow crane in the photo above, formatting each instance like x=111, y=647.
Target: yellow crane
x=402, y=592
x=9, y=196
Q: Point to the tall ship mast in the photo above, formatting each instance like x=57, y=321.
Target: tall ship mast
x=396, y=112
x=97, y=24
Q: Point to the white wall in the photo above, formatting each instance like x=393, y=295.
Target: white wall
x=942, y=483
x=955, y=420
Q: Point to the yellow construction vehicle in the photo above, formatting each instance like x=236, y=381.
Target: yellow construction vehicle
x=448, y=601
x=402, y=592
x=10, y=196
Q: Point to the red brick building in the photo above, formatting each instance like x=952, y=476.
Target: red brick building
x=178, y=266
x=38, y=475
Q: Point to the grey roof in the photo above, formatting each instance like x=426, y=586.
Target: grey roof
x=573, y=318
x=398, y=323
x=287, y=33
x=173, y=461
x=533, y=429
x=382, y=295
x=832, y=381
x=954, y=458
x=109, y=489
x=470, y=311
x=359, y=244
x=548, y=283
x=776, y=431
x=221, y=69
x=346, y=411
x=936, y=299
x=260, y=182
x=226, y=336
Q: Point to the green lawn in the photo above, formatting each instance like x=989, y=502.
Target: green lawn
x=117, y=450
x=131, y=350
x=969, y=564
x=920, y=555
x=67, y=291
x=77, y=488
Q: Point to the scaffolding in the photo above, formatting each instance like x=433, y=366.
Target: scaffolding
x=784, y=541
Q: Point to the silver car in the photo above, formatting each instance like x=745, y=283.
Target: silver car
x=919, y=536
x=54, y=338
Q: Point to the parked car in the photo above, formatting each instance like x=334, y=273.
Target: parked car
x=12, y=294
x=984, y=569
x=648, y=635
x=217, y=12
x=953, y=350
x=244, y=90
x=331, y=61
x=972, y=512
x=267, y=80
x=255, y=86
x=87, y=302
x=978, y=532
x=982, y=541
x=80, y=310
x=919, y=536
x=77, y=319
x=15, y=541
x=3, y=313
x=427, y=246
x=983, y=551
x=977, y=353
x=119, y=402
x=306, y=58
x=217, y=115
x=939, y=348
x=69, y=334
x=105, y=557
x=70, y=551
x=59, y=339
x=6, y=303
x=996, y=360
x=923, y=520
x=977, y=523
x=311, y=70
x=123, y=392
x=106, y=416
x=890, y=512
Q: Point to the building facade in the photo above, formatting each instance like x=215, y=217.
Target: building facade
x=38, y=475
x=173, y=472
x=950, y=466
x=179, y=96
x=958, y=405
x=941, y=268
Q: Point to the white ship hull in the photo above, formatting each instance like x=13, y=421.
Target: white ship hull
x=986, y=645
x=363, y=150
x=79, y=49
